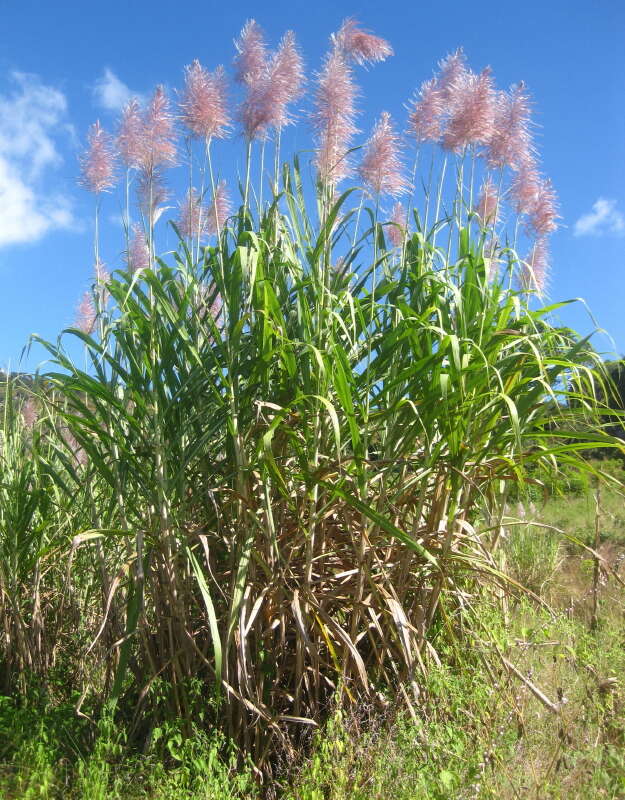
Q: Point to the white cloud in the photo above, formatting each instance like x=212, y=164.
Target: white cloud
x=604, y=218
x=30, y=120
x=110, y=92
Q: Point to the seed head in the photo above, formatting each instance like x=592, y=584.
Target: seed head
x=204, y=104
x=158, y=141
x=86, y=314
x=274, y=87
x=381, y=168
x=426, y=117
x=511, y=143
x=219, y=209
x=488, y=204
x=525, y=187
x=398, y=224
x=453, y=69
x=152, y=195
x=544, y=213
x=98, y=161
x=472, y=110
x=535, y=269
x=251, y=58
x=130, y=138
x=138, y=256
x=333, y=118
x=193, y=216
x=359, y=45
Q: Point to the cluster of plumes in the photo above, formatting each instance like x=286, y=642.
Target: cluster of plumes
x=196, y=220
x=334, y=115
x=381, y=169
x=273, y=81
x=97, y=163
x=147, y=139
x=535, y=199
x=459, y=109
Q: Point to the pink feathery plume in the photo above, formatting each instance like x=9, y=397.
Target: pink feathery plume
x=30, y=413
x=251, y=58
x=98, y=161
x=278, y=83
x=544, y=212
x=193, y=216
x=511, y=143
x=398, y=224
x=333, y=117
x=285, y=80
x=426, y=117
x=158, y=146
x=250, y=67
x=525, y=187
x=535, y=269
x=138, y=256
x=359, y=45
x=130, y=136
x=452, y=70
x=86, y=314
x=381, y=168
x=472, y=110
x=488, y=205
x=219, y=209
x=204, y=103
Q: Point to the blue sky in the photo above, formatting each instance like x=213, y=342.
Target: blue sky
x=62, y=64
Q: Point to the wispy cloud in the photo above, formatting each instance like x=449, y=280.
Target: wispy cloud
x=603, y=218
x=110, y=92
x=31, y=117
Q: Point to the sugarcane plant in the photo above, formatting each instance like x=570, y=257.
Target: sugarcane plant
x=281, y=462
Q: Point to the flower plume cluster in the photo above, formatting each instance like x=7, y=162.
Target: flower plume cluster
x=457, y=109
x=334, y=114
x=273, y=81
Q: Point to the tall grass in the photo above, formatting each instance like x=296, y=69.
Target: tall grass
x=284, y=459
